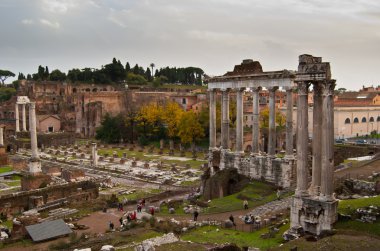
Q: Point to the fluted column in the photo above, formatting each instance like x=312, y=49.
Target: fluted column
x=239, y=120
x=212, y=108
x=23, y=118
x=272, y=121
x=289, y=122
x=225, y=119
x=1, y=136
x=17, y=117
x=317, y=140
x=33, y=130
x=302, y=139
x=327, y=186
x=255, y=122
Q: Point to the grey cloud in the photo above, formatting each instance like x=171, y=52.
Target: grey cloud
x=212, y=34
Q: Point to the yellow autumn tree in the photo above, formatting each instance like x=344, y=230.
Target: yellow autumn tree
x=189, y=129
x=150, y=116
x=264, y=118
x=172, y=114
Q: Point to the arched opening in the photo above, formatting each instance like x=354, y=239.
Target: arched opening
x=95, y=90
x=248, y=148
x=364, y=120
x=356, y=120
x=74, y=90
x=88, y=90
x=378, y=119
x=371, y=119
x=347, y=121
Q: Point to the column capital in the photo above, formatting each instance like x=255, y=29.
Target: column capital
x=225, y=89
x=273, y=89
x=317, y=89
x=256, y=89
x=303, y=88
x=328, y=87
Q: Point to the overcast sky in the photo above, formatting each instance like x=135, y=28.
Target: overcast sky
x=211, y=34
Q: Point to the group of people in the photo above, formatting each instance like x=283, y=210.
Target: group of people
x=250, y=219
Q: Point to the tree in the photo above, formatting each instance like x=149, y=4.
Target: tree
x=136, y=79
x=57, y=75
x=152, y=65
x=189, y=129
x=21, y=76
x=112, y=129
x=150, y=117
x=264, y=118
x=6, y=93
x=172, y=114
x=4, y=74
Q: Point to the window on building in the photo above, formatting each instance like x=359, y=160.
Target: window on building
x=364, y=120
x=184, y=101
x=356, y=120
x=378, y=119
x=50, y=129
x=347, y=121
x=371, y=119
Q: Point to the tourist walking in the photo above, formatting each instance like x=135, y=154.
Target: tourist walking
x=232, y=220
x=111, y=225
x=195, y=215
x=151, y=211
x=245, y=204
x=278, y=194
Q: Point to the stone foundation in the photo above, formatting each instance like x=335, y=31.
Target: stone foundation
x=278, y=171
x=313, y=214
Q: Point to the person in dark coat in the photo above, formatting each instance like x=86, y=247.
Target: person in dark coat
x=195, y=215
x=232, y=220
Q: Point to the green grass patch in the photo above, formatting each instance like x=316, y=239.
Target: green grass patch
x=257, y=193
x=13, y=183
x=5, y=169
x=210, y=235
x=350, y=206
x=368, y=228
x=139, y=194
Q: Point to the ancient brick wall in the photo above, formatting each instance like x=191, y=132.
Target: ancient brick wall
x=77, y=191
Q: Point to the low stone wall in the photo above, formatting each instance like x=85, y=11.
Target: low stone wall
x=22, y=201
x=45, y=139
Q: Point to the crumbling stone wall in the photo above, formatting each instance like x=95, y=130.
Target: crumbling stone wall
x=343, y=152
x=31, y=182
x=76, y=191
x=222, y=183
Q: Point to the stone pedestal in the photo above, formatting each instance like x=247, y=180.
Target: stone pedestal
x=312, y=214
x=34, y=166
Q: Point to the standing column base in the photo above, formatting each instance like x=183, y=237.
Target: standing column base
x=314, y=191
x=313, y=215
x=34, y=166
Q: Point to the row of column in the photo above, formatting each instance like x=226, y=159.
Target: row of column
x=323, y=140
x=255, y=127
x=18, y=118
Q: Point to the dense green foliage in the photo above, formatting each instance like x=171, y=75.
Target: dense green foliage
x=4, y=74
x=112, y=129
x=6, y=93
x=115, y=72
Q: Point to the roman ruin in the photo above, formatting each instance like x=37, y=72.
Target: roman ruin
x=314, y=208
x=249, y=76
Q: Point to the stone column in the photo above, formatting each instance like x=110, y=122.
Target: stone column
x=272, y=121
x=17, y=117
x=327, y=175
x=317, y=140
x=255, y=122
x=212, y=108
x=33, y=130
x=94, y=154
x=239, y=120
x=302, y=139
x=289, y=122
x=23, y=118
x=225, y=119
x=1, y=136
